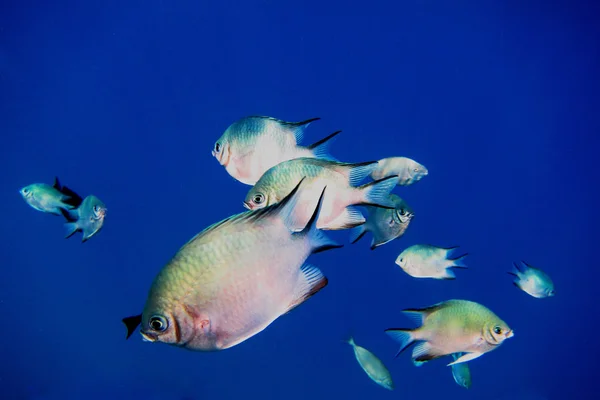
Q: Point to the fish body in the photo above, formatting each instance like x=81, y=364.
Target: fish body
x=461, y=372
x=88, y=218
x=372, y=366
x=453, y=326
x=427, y=261
x=252, y=145
x=407, y=170
x=384, y=223
x=233, y=279
x=48, y=199
x=342, y=193
x=533, y=281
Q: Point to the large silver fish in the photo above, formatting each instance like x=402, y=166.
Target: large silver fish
x=234, y=279
x=252, y=145
x=50, y=199
x=384, y=223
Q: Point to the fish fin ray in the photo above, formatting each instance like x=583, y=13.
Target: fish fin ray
x=319, y=241
x=299, y=127
x=465, y=358
x=424, y=351
x=458, y=262
x=404, y=337
x=310, y=282
x=377, y=193
x=320, y=149
x=358, y=232
x=71, y=228
x=360, y=171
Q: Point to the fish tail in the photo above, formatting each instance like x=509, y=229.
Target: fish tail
x=357, y=233
x=403, y=336
x=320, y=149
x=360, y=171
x=319, y=242
x=350, y=341
x=459, y=262
x=377, y=193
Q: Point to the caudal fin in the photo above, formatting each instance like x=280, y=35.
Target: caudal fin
x=403, y=336
x=320, y=149
x=377, y=193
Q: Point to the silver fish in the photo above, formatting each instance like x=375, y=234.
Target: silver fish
x=49, y=199
x=427, y=261
x=407, y=170
x=385, y=224
x=252, y=145
x=372, y=366
x=533, y=281
x=88, y=218
x=234, y=279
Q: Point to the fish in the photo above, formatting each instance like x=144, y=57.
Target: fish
x=252, y=145
x=234, y=279
x=407, y=170
x=372, y=366
x=385, y=224
x=427, y=261
x=461, y=372
x=533, y=281
x=88, y=218
x=452, y=326
x=50, y=199
x=342, y=193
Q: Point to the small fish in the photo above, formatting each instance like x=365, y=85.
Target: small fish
x=49, y=199
x=88, y=218
x=234, y=279
x=252, y=145
x=372, y=365
x=533, y=281
x=427, y=261
x=340, y=178
x=453, y=326
x=408, y=171
x=461, y=372
x=385, y=224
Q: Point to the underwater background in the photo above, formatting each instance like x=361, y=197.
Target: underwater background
x=125, y=99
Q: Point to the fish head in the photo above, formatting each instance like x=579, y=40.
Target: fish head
x=222, y=151
x=550, y=292
x=92, y=213
x=177, y=326
x=257, y=198
x=404, y=213
x=496, y=332
x=416, y=171
x=403, y=260
x=27, y=192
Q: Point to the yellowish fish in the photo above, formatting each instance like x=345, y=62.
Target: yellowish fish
x=342, y=193
x=234, y=279
x=252, y=145
x=372, y=366
x=453, y=326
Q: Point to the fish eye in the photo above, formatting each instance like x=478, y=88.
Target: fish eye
x=258, y=198
x=416, y=170
x=25, y=191
x=497, y=330
x=217, y=147
x=402, y=260
x=402, y=212
x=158, y=323
x=96, y=208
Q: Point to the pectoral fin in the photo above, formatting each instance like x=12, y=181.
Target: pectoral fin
x=465, y=358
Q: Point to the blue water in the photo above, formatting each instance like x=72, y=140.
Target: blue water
x=125, y=100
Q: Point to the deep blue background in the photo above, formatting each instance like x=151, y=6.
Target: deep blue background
x=126, y=99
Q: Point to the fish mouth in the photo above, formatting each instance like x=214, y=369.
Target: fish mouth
x=510, y=334
x=247, y=205
x=147, y=337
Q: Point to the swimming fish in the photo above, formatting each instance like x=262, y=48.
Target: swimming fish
x=453, y=326
x=252, y=145
x=385, y=224
x=372, y=365
x=342, y=194
x=407, y=170
x=49, y=199
x=461, y=372
x=88, y=218
x=533, y=281
x=232, y=280
x=427, y=261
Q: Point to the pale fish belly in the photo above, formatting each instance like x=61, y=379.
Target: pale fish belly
x=252, y=296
